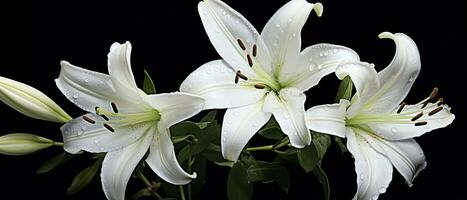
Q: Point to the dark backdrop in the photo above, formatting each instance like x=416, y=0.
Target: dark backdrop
x=168, y=40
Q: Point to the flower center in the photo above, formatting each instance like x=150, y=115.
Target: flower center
x=413, y=115
x=265, y=81
x=117, y=119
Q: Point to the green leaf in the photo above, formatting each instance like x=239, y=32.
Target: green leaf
x=54, y=162
x=184, y=128
x=148, y=85
x=323, y=179
x=84, y=177
x=341, y=144
x=206, y=137
x=183, y=154
x=145, y=192
x=308, y=157
x=171, y=191
x=272, y=133
x=211, y=116
x=238, y=186
x=321, y=142
x=345, y=89
x=178, y=139
x=199, y=166
x=213, y=153
x=268, y=172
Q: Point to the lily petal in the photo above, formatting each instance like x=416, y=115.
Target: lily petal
x=289, y=111
x=374, y=171
x=314, y=63
x=175, y=107
x=119, y=165
x=329, y=119
x=120, y=69
x=163, y=161
x=225, y=27
x=215, y=82
x=397, y=78
x=88, y=89
x=239, y=126
x=406, y=155
x=365, y=80
x=282, y=32
x=396, y=131
x=79, y=134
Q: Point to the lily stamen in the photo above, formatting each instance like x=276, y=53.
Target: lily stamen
x=240, y=43
x=440, y=101
x=260, y=86
x=417, y=116
x=401, y=107
x=240, y=75
x=421, y=123
x=114, y=107
x=250, y=61
x=434, y=92
x=436, y=110
x=86, y=118
x=108, y=127
x=255, y=50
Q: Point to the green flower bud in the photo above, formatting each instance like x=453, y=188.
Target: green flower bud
x=17, y=144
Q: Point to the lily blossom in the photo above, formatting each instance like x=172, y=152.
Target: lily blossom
x=378, y=127
x=261, y=74
x=124, y=121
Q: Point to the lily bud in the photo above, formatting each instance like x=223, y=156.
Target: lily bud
x=30, y=101
x=17, y=144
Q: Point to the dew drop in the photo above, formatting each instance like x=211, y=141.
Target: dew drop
x=362, y=176
x=278, y=25
x=286, y=116
x=255, y=125
x=393, y=130
x=321, y=54
x=208, y=72
x=83, y=128
x=218, y=30
x=75, y=96
x=325, y=53
x=294, y=35
x=236, y=113
x=205, y=13
x=86, y=81
x=334, y=51
x=96, y=141
x=290, y=20
x=224, y=13
x=412, y=79
x=190, y=86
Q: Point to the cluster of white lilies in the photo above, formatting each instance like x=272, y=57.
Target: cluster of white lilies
x=260, y=75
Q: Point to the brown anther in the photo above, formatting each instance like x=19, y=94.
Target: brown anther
x=95, y=108
x=255, y=50
x=436, y=110
x=440, y=101
x=108, y=127
x=86, y=118
x=250, y=61
x=401, y=107
x=420, y=123
x=240, y=75
x=260, y=86
x=417, y=116
x=240, y=43
x=236, y=79
x=104, y=117
x=114, y=107
x=433, y=93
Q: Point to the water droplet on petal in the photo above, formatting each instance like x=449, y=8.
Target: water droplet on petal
x=236, y=113
x=412, y=78
x=208, y=72
x=83, y=128
x=334, y=51
x=218, y=30
x=278, y=25
x=205, y=13
x=290, y=20
x=75, y=96
x=362, y=176
x=382, y=190
x=286, y=116
x=294, y=35
x=255, y=125
x=86, y=81
x=325, y=53
x=394, y=130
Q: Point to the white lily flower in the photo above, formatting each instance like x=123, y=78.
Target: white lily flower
x=379, y=129
x=124, y=121
x=261, y=75
x=30, y=101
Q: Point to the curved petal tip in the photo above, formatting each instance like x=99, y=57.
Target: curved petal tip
x=318, y=8
x=386, y=35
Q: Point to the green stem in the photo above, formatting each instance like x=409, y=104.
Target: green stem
x=261, y=148
x=190, y=164
x=284, y=142
x=182, y=193
x=59, y=144
x=149, y=185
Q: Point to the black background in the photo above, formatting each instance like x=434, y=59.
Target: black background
x=169, y=40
